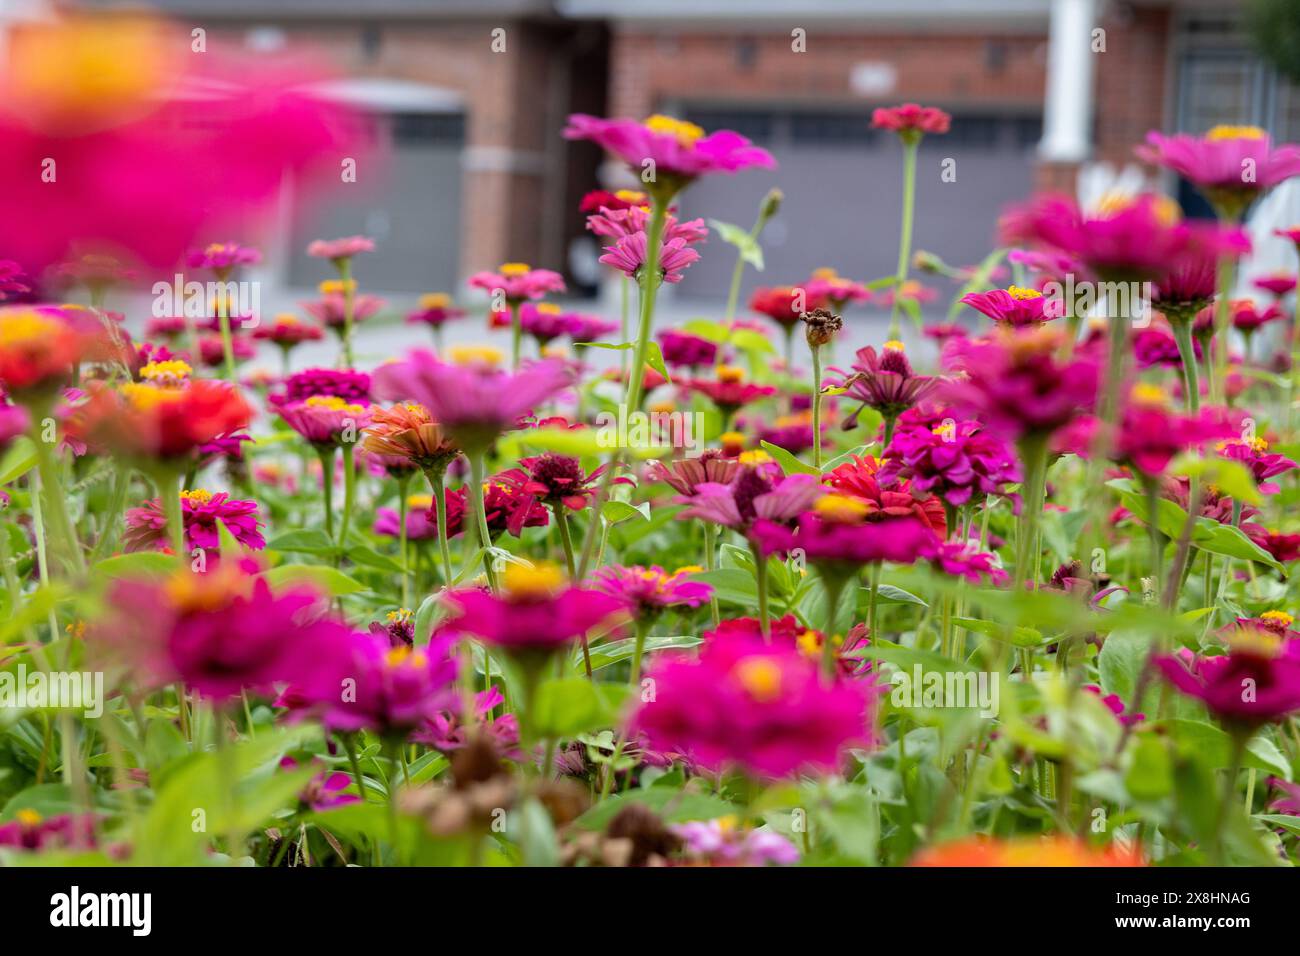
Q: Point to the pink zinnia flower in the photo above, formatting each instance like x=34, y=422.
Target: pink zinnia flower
x=829, y=286
x=884, y=382
x=910, y=121
x=1016, y=383
x=421, y=520
x=473, y=403
x=837, y=535
x=686, y=475
x=628, y=256
x=964, y=559
x=753, y=493
x=762, y=708
x=1257, y=661
x=1136, y=241
x=581, y=327
x=518, y=282
x=536, y=613
x=1152, y=434
x=221, y=632
x=719, y=844
x=959, y=461
x=1115, y=704
x=146, y=526
x=1014, y=306
x=1247, y=318
x=1279, y=283
x=1231, y=165
x=679, y=151
x=330, y=309
x=223, y=257
x=681, y=349
x=434, y=309
x=1254, y=455
x=287, y=330
x=648, y=592
x=347, y=384
x=337, y=250
x=325, y=420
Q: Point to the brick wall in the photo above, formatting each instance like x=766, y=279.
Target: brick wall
x=945, y=69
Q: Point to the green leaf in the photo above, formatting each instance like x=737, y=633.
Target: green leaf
x=674, y=806
x=604, y=655
x=18, y=460
x=788, y=462
x=615, y=511
x=313, y=541
x=1019, y=636
x=330, y=580
x=731, y=585
x=1151, y=774
x=140, y=564
x=568, y=706
x=370, y=558
x=745, y=243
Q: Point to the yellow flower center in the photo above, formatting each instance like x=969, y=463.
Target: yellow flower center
x=474, y=355
x=840, y=509
x=1144, y=393
x=400, y=616
x=26, y=328
x=1166, y=210
x=684, y=132
x=435, y=300
x=28, y=818
x=171, y=373
x=761, y=678
x=1023, y=294
x=420, y=501
x=144, y=396
x=199, y=495
x=1254, y=641
x=809, y=643
x=1218, y=133
x=663, y=408
x=334, y=404
x=945, y=429
x=549, y=308
x=730, y=373
x=893, y=345
x=1281, y=617
x=402, y=656
x=732, y=439
x=515, y=269
x=687, y=569
x=337, y=286
x=825, y=272
x=533, y=581
x=285, y=318
x=631, y=196
x=755, y=456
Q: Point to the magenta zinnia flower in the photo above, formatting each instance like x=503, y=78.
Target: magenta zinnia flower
x=1257, y=661
x=838, y=536
x=1015, y=382
x=884, y=382
x=337, y=250
x=1254, y=455
x=536, y=613
x=628, y=256
x=326, y=421
x=647, y=592
x=146, y=526
x=474, y=404
x=753, y=493
x=911, y=120
x=679, y=151
x=347, y=384
x=763, y=708
x=1231, y=165
x=1014, y=306
x=964, y=559
x=223, y=257
x=956, y=460
x=518, y=282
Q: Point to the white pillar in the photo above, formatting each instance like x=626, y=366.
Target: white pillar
x=1067, y=110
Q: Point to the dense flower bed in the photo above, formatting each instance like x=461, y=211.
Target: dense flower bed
x=711, y=599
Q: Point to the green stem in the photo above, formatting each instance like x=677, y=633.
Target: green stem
x=480, y=519
x=642, y=629
x=905, y=234
x=817, y=405
x=834, y=585
x=169, y=489
x=566, y=540
x=516, y=335
x=402, y=508
x=436, y=483
x=710, y=547
x=650, y=281
x=1033, y=456
x=349, y=494
x=760, y=580
x=1226, y=276
x=227, y=340
x=349, y=302
x=1187, y=355
x=327, y=478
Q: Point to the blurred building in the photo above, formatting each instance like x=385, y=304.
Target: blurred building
x=472, y=94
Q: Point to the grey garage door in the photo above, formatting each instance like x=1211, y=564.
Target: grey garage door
x=842, y=182
x=413, y=212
